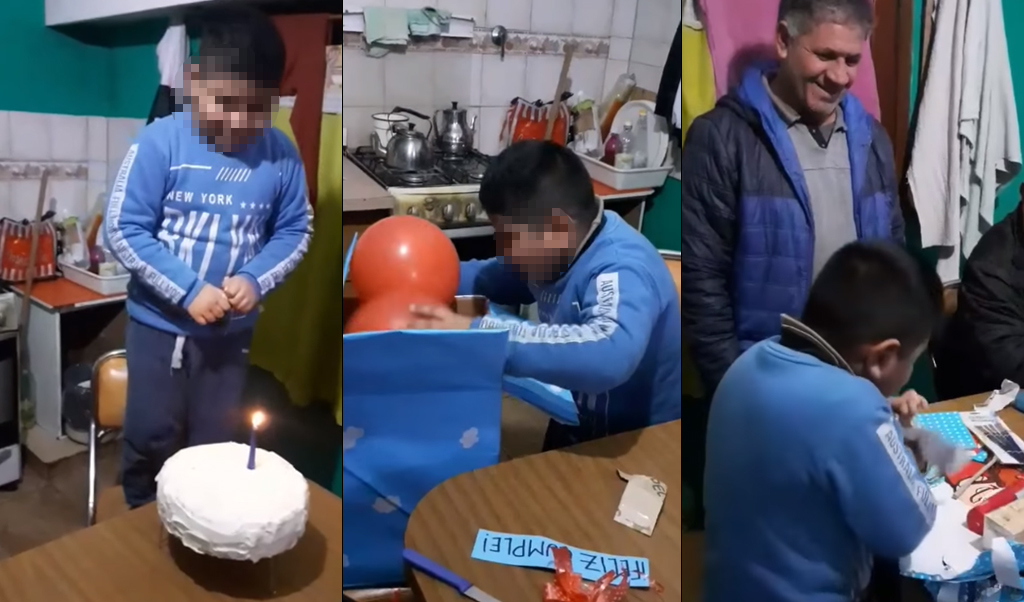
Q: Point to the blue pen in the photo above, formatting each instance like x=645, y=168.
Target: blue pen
x=425, y=565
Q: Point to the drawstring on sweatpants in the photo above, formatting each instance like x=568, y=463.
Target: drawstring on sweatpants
x=178, y=353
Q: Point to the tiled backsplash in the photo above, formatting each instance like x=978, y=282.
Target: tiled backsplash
x=627, y=35
x=82, y=153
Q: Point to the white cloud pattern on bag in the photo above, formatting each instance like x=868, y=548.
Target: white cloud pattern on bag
x=386, y=505
x=350, y=437
x=470, y=438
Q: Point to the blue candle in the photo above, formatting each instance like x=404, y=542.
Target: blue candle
x=257, y=419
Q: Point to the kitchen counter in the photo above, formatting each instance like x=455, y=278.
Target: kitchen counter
x=360, y=192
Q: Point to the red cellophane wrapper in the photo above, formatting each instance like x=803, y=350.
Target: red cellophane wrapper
x=569, y=587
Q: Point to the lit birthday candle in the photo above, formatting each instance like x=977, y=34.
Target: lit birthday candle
x=257, y=420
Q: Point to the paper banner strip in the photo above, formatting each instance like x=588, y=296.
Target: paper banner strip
x=531, y=551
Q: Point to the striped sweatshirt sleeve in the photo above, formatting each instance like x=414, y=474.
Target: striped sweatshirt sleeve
x=619, y=313
x=290, y=231
x=132, y=221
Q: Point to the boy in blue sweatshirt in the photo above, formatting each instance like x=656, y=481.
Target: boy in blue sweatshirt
x=808, y=478
x=610, y=325
x=209, y=213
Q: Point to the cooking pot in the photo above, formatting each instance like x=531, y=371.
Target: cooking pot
x=409, y=149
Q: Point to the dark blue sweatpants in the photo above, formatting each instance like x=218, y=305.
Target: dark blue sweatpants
x=173, y=404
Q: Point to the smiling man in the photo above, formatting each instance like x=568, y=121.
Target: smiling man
x=785, y=170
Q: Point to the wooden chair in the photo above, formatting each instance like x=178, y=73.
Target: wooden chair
x=110, y=392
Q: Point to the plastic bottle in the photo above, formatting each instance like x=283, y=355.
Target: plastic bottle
x=617, y=97
x=640, y=142
x=611, y=149
x=624, y=160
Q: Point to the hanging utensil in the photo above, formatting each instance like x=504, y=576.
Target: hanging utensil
x=563, y=85
x=499, y=35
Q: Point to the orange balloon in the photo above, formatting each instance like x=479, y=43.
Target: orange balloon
x=405, y=253
x=385, y=313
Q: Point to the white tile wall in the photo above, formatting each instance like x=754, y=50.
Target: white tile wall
x=67, y=142
x=638, y=31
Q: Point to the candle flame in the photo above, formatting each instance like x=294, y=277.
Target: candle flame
x=257, y=419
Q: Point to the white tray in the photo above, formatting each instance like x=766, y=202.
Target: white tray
x=625, y=179
x=104, y=285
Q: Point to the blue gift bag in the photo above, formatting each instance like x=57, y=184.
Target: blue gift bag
x=418, y=409
x=554, y=401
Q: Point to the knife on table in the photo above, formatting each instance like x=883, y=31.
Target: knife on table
x=425, y=565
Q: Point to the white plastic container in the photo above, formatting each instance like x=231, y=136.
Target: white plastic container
x=625, y=179
x=104, y=285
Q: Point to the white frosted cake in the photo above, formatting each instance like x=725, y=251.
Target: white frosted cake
x=209, y=499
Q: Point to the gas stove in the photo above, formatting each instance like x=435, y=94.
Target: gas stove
x=447, y=194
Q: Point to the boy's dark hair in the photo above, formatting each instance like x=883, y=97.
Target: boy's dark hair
x=869, y=292
x=529, y=180
x=242, y=42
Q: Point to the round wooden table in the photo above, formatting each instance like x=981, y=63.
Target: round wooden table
x=569, y=496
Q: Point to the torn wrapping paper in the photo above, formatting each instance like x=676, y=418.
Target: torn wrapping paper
x=641, y=503
x=953, y=563
x=568, y=586
x=1001, y=399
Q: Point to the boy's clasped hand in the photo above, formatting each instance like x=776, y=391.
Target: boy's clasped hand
x=211, y=304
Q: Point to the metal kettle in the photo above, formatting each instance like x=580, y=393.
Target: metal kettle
x=408, y=149
x=454, y=130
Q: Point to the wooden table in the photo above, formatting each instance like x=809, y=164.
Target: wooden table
x=129, y=559
x=569, y=496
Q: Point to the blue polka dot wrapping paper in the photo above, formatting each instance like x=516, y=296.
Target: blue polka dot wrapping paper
x=952, y=429
x=419, y=408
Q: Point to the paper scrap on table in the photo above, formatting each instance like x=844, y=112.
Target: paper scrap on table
x=1001, y=399
x=641, y=503
x=531, y=551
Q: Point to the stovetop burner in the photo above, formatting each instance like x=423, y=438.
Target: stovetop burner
x=447, y=171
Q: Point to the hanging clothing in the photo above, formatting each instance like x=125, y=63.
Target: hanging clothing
x=685, y=103
x=969, y=143
x=306, y=38
x=171, y=54
x=737, y=43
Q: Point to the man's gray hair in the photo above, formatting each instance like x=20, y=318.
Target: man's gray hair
x=801, y=16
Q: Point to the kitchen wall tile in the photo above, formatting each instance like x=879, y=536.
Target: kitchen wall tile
x=24, y=196
x=587, y=75
x=70, y=196
x=619, y=49
x=409, y=3
x=551, y=16
x=623, y=18
x=543, y=73
x=675, y=15
x=358, y=4
x=358, y=121
x=98, y=171
x=30, y=136
x=97, y=131
x=502, y=80
x=5, y=199
x=489, y=127
x=70, y=138
x=409, y=79
x=647, y=77
x=647, y=52
x=513, y=14
x=476, y=70
x=453, y=79
x=477, y=9
x=653, y=21
x=592, y=17
x=120, y=135
x=612, y=71
x=5, y=134
x=364, y=77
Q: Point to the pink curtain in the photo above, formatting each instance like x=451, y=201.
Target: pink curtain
x=743, y=31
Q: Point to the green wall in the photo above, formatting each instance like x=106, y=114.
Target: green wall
x=110, y=72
